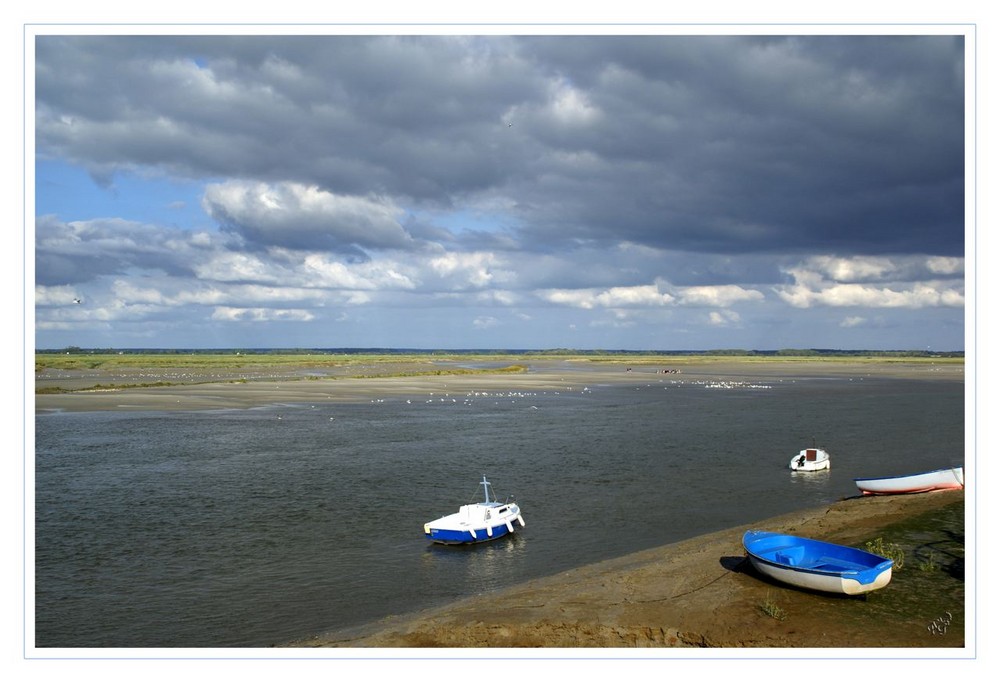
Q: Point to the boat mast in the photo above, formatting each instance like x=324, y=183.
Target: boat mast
x=486, y=489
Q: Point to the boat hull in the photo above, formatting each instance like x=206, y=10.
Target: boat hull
x=811, y=467
x=466, y=536
x=816, y=565
x=460, y=528
x=937, y=480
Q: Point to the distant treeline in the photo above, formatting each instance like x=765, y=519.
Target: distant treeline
x=849, y=353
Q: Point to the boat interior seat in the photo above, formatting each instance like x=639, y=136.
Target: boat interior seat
x=790, y=555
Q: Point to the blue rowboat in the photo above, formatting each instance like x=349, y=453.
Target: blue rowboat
x=935, y=480
x=476, y=522
x=816, y=565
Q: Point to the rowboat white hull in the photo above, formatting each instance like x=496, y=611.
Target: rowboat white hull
x=816, y=565
x=937, y=480
x=827, y=583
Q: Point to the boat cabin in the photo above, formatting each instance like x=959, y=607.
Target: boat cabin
x=810, y=459
x=481, y=511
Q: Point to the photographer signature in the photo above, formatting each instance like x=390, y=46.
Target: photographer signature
x=939, y=626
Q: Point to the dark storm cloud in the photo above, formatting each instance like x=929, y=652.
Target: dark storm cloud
x=78, y=252
x=846, y=144
x=731, y=144
x=354, y=115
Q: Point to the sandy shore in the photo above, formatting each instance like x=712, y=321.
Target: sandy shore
x=696, y=593
x=207, y=389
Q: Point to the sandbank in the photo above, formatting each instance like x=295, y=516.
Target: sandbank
x=203, y=389
x=696, y=593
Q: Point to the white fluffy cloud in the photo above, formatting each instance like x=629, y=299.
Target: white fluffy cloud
x=230, y=314
x=645, y=296
x=719, y=296
x=853, y=269
x=908, y=296
x=615, y=297
x=723, y=318
x=322, y=270
x=301, y=216
x=868, y=282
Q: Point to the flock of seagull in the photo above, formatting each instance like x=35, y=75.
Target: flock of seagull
x=514, y=396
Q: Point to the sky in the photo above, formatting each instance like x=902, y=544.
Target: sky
x=479, y=190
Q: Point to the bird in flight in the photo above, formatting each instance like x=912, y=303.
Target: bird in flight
x=77, y=301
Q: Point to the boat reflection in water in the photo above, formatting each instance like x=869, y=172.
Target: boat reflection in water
x=486, y=566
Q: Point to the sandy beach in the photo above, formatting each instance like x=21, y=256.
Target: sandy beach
x=696, y=593
x=692, y=594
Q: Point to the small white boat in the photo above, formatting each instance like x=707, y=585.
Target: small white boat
x=810, y=460
x=936, y=480
x=476, y=522
x=816, y=565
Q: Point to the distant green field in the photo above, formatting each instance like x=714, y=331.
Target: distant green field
x=123, y=370
x=93, y=361
x=205, y=360
x=201, y=368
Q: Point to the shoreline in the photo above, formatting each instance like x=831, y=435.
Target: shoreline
x=212, y=389
x=696, y=593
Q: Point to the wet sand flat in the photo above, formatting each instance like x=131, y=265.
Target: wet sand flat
x=207, y=389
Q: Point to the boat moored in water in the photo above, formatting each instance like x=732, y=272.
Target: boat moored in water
x=921, y=482
x=476, y=522
x=810, y=460
x=816, y=565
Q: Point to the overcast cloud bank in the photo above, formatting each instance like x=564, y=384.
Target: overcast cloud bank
x=639, y=192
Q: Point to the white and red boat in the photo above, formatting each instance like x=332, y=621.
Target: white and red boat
x=935, y=480
x=810, y=460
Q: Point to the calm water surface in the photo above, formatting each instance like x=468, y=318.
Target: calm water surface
x=249, y=528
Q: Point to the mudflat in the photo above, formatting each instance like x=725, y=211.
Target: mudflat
x=311, y=380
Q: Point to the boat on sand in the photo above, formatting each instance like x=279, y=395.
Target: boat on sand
x=476, y=522
x=816, y=565
x=935, y=480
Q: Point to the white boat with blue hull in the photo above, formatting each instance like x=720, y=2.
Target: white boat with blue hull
x=816, y=565
x=476, y=522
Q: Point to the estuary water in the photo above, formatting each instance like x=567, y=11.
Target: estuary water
x=250, y=528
